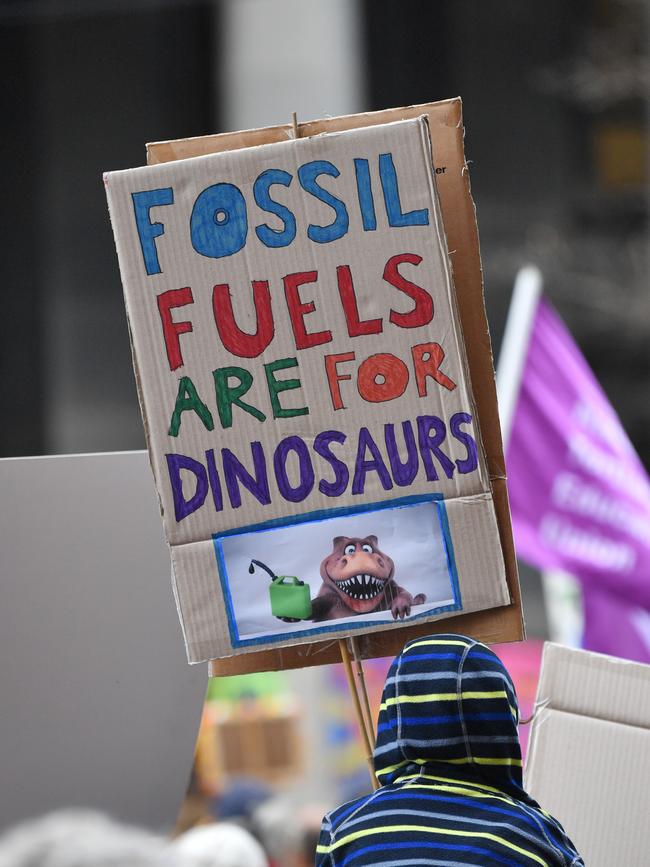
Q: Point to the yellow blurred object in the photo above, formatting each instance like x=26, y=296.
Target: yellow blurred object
x=206, y=761
x=621, y=155
x=250, y=738
x=266, y=747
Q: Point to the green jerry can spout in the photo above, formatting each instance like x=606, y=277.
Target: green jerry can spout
x=259, y=563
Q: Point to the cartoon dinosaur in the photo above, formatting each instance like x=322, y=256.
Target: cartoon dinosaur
x=358, y=579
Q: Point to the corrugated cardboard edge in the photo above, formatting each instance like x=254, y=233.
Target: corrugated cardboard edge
x=586, y=685
x=459, y=217
x=471, y=514
x=590, y=684
x=589, y=760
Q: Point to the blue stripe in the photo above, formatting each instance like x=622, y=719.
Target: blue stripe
x=413, y=657
x=426, y=862
x=452, y=847
x=383, y=793
x=429, y=743
x=443, y=720
x=471, y=802
x=491, y=657
x=353, y=806
x=436, y=499
x=429, y=676
x=452, y=569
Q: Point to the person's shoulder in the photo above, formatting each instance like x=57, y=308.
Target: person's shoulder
x=333, y=826
x=340, y=815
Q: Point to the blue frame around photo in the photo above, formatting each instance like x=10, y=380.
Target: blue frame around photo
x=325, y=514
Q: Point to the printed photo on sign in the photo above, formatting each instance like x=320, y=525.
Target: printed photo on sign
x=381, y=565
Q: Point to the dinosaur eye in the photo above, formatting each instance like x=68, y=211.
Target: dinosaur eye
x=367, y=548
x=349, y=549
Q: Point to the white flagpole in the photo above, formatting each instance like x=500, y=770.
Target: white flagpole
x=514, y=347
x=561, y=591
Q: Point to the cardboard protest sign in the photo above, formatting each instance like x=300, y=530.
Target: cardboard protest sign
x=589, y=755
x=305, y=389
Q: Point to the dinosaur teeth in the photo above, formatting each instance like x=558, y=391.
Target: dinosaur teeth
x=362, y=586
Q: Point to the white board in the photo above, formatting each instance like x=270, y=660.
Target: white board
x=589, y=755
x=91, y=714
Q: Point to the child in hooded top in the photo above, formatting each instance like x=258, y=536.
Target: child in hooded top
x=449, y=763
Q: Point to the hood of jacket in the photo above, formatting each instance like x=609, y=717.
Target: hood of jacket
x=449, y=706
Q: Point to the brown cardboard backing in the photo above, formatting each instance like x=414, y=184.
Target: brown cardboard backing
x=447, y=138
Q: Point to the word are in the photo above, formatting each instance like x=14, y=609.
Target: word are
x=380, y=377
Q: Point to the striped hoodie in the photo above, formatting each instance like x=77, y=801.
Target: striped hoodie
x=449, y=763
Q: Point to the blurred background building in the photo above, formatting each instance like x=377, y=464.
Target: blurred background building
x=556, y=103
x=556, y=99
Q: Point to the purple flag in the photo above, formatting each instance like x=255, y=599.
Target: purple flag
x=615, y=627
x=580, y=496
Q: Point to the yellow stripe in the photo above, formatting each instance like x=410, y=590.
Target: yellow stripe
x=481, y=786
x=392, y=829
x=440, y=696
x=438, y=642
x=390, y=768
x=484, y=760
x=455, y=789
x=465, y=760
x=461, y=790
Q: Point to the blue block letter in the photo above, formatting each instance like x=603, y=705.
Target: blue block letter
x=364, y=190
x=268, y=236
x=396, y=218
x=147, y=231
x=219, y=225
x=307, y=175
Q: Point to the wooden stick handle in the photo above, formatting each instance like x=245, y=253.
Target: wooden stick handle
x=347, y=665
x=364, y=690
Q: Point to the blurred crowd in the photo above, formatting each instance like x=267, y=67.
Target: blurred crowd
x=255, y=829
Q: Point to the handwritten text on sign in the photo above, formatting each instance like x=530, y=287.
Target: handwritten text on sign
x=361, y=308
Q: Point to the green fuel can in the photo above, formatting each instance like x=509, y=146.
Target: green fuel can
x=290, y=597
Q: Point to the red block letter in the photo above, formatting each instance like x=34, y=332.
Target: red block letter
x=233, y=338
x=349, y=300
x=382, y=377
x=422, y=313
x=334, y=377
x=166, y=302
x=427, y=358
x=299, y=309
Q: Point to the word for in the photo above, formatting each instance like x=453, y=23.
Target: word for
x=250, y=345
x=219, y=222
x=293, y=465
